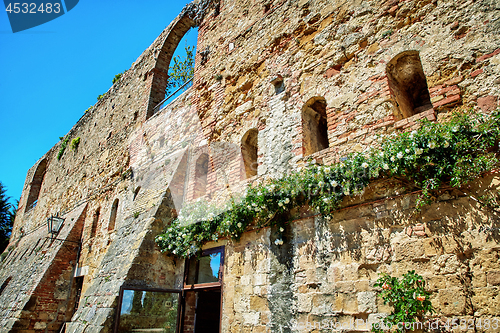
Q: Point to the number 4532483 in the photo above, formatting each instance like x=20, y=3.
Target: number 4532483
x=32, y=8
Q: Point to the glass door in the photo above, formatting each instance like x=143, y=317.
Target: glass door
x=148, y=310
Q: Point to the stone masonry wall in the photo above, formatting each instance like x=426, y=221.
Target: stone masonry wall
x=257, y=65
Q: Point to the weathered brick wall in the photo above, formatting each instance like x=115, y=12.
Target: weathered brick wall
x=263, y=62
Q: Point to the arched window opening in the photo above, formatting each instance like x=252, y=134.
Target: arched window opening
x=94, y=223
x=112, y=217
x=200, y=176
x=36, y=185
x=408, y=84
x=314, y=126
x=136, y=192
x=4, y=284
x=175, y=65
x=249, y=152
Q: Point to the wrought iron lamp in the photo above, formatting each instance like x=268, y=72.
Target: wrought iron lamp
x=54, y=224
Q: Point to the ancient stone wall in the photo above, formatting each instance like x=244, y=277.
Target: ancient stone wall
x=324, y=275
x=307, y=80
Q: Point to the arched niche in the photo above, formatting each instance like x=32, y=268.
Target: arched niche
x=314, y=126
x=408, y=84
x=200, y=176
x=249, y=149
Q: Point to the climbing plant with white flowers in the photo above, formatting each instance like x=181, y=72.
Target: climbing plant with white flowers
x=452, y=153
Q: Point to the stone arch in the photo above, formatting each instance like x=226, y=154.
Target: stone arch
x=314, y=126
x=36, y=185
x=178, y=29
x=408, y=84
x=249, y=151
x=201, y=176
x=112, y=217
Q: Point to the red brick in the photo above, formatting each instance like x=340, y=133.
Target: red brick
x=453, y=92
x=331, y=72
x=431, y=90
x=447, y=100
x=476, y=72
x=487, y=56
x=487, y=103
x=454, y=81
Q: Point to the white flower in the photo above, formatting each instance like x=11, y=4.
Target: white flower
x=239, y=224
x=293, y=192
x=270, y=215
x=174, y=251
x=347, y=192
x=381, y=154
x=400, y=155
x=446, y=144
x=334, y=183
x=407, y=150
x=263, y=207
x=454, y=129
x=325, y=200
x=320, y=184
x=364, y=165
x=419, y=151
x=282, y=229
x=327, y=170
x=259, y=193
x=287, y=200
x=249, y=207
x=386, y=166
x=184, y=235
x=432, y=145
x=393, y=158
x=254, y=204
x=280, y=204
x=170, y=246
x=299, y=169
x=278, y=242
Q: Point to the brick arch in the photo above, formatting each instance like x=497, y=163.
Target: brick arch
x=36, y=184
x=178, y=29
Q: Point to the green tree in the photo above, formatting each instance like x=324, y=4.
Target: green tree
x=182, y=70
x=6, y=218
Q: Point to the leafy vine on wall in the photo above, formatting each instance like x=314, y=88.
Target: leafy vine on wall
x=454, y=153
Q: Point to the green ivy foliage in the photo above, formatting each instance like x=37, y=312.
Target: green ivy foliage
x=64, y=144
x=409, y=299
x=75, y=143
x=453, y=153
x=182, y=70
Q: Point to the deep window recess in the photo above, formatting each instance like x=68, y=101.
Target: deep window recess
x=148, y=310
x=112, y=218
x=36, y=185
x=94, y=223
x=249, y=152
x=200, y=176
x=314, y=126
x=408, y=84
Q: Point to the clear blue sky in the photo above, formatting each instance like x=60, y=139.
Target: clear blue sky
x=50, y=74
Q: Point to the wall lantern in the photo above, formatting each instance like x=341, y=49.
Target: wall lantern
x=54, y=224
